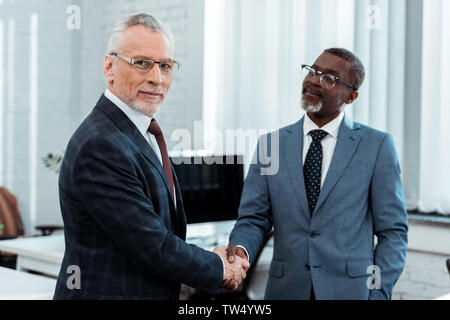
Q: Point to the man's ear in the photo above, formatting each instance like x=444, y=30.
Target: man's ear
x=108, y=68
x=352, y=97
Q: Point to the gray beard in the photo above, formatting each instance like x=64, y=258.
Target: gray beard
x=142, y=109
x=311, y=108
x=133, y=104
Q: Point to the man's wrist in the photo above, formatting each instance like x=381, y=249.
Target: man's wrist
x=245, y=250
x=223, y=264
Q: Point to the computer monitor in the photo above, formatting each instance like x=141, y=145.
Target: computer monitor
x=211, y=187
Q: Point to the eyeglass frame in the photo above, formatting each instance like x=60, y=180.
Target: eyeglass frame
x=134, y=61
x=321, y=74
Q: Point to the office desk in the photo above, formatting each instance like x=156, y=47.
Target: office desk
x=41, y=254
x=16, y=285
x=45, y=254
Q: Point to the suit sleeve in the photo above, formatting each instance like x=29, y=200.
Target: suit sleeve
x=255, y=216
x=110, y=190
x=390, y=219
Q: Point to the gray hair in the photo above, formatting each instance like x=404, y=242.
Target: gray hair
x=150, y=22
x=357, y=71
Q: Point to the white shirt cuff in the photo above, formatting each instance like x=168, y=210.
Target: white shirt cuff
x=246, y=252
x=223, y=264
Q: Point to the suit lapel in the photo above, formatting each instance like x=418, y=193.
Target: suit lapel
x=346, y=145
x=128, y=127
x=294, y=158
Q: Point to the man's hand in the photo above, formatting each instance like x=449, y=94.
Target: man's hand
x=233, y=251
x=234, y=272
x=236, y=253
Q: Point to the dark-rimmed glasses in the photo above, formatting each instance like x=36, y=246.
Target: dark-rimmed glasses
x=327, y=81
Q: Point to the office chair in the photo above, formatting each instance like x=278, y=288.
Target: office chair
x=252, y=288
x=11, y=225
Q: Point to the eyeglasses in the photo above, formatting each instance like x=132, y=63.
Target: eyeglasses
x=167, y=67
x=327, y=81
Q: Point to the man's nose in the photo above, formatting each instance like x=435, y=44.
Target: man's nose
x=154, y=74
x=315, y=80
x=312, y=81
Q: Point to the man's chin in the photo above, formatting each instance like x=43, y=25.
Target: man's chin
x=149, y=109
x=308, y=107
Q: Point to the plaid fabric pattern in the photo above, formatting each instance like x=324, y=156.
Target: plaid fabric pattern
x=120, y=223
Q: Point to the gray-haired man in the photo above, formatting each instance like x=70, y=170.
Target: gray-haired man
x=124, y=221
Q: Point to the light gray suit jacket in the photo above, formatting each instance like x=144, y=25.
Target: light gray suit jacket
x=362, y=196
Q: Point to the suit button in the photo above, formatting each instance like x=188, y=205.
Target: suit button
x=308, y=267
x=315, y=234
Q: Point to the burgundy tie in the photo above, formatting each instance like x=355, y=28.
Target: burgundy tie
x=155, y=130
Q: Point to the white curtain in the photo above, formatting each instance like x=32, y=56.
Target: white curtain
x=434, y=188
x=253, y=54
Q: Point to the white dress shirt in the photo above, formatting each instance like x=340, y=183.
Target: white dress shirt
x=142, y=122
x=328, y=143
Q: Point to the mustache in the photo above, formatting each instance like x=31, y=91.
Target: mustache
x=152, y=90
x=311, y=89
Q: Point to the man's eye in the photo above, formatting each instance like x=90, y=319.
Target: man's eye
x=142, y=64
x=166, y=66
x=329, y=77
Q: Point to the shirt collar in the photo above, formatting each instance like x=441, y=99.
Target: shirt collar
x=332, y=127
x=141, y=121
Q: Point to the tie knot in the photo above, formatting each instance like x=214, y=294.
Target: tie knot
x=318, y=135
x=154, y=128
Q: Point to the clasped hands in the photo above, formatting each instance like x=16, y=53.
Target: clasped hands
x=236, y=265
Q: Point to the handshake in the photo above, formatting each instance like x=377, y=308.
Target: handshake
x=236, y=265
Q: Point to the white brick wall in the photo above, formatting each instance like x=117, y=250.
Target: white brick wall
x=425, y=277
x=70, y=80
x=53, y=48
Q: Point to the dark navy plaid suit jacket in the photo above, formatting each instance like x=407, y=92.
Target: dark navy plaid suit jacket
x=120, y=224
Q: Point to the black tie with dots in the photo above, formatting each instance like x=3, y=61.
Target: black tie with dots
x=312, y=169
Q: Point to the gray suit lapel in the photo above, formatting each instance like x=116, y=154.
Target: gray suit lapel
x=346, y=145
x=294, y=157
